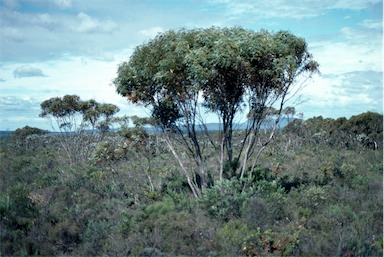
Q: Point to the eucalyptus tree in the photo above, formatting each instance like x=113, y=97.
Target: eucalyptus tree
x=289, y=112
x=21, y=134
x=222, y=70
x=158, y=76
x=78, y=121
x=28, y=137
x=217, y=66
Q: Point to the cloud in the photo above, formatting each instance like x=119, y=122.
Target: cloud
x=341, y=57
x=27, y=71
x=87, y=24
x=41, y=30
x=25, y=21
x=351, y=72
x=65, y=4
x=372, y=24
x=356, y=48
x=351, y=4
x=62, y=4
x=367, y=32
x=13, y=102
x=359, y=88
x=12, y=34
x=27, y=36
x=85, y=77
x=296, y=9
x=344, y=94
x=11, y=3
x=151, y=32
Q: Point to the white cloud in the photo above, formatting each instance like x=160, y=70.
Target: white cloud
x=351, y=4
x=373, y=24
x=22, y=103
x=151, y=32
x=343, y=94
x=12, y=34
x=37, y=36
x=63, y=3
x=351, y=68
x=341, y=57
x=27, y=71
x=355, y=49
x=17, y=112
x=293, y=9
x=87, y=24
x=88, y=78
x=367, y=32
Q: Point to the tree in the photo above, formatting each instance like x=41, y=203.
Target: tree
x=78, y=120
x=23, y=133
x=367, y=128
x=363, y=130
x=277, y=67
x=24, y=136
x=289, y=112
x=157, y=76
x=225, y=71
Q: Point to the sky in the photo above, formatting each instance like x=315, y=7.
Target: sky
x=51, y=48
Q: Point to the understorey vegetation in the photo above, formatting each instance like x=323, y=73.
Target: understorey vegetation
x=170, y=185
x=315, y=191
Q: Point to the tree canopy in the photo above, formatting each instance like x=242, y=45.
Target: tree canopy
x=222, y=64
x=67, y=110
x=75, y=117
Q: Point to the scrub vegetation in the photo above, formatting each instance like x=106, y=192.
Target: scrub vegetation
x=168, y=185
x=317, y=190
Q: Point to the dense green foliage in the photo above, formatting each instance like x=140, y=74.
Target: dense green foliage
x=78, y=121
x=71, y=114
x=23, y=133
x=312, y=194
x=364, y=130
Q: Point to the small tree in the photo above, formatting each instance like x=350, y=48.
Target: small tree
x=289, y=112
x=25, y=136
x=23, y=133
x=78, y=122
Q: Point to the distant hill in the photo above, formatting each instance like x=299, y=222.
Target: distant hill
x=240, y=126
x=216, y=126
x=210, y=126
x=5, y=133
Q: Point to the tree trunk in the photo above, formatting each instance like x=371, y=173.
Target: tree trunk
x=221, y=159
x=264, y=145
x=203, y=180
x=246, y=154
x=194, y=188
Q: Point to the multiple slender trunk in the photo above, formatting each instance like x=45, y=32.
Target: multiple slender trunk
x=192, y=184
x=249, y=151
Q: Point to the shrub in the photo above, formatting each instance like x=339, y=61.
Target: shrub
x=233, y=238
x=226, y=199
